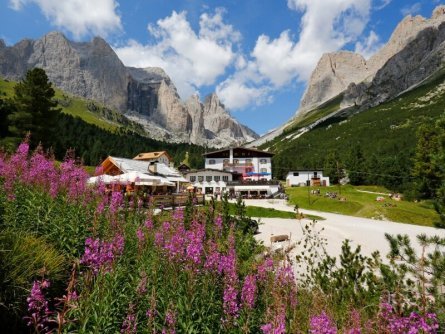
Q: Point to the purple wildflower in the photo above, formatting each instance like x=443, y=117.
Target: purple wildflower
x=278, y=326
x=140, y=235
x=322, y=324
x=98, y=254
x=129, y=326
x=148, y=224
x=248, y=291
x=38, y=307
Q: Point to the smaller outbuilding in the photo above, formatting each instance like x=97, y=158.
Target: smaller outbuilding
x=161, y=156
x=308, y=177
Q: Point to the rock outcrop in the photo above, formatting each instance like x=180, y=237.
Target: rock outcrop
x=421, y=58
x=336, y=71
x=92, y=70
x=332, y=75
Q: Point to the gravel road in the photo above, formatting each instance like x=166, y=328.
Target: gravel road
x=368, y=233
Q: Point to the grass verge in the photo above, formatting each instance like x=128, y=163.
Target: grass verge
x=362, y=204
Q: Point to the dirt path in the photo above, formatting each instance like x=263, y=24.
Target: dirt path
x=368, y=233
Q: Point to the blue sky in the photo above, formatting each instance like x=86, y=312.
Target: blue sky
x=256, y=54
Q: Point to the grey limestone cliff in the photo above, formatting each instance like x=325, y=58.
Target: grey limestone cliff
x=335, y=72
x=92, y=70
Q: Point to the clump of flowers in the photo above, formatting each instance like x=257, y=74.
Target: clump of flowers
x=414, y=323
x=129, y=325
x=39, y=314
x=99, y=255
x=248, y=291
x=322, y=324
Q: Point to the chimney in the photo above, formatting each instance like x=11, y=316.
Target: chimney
x=153, y=167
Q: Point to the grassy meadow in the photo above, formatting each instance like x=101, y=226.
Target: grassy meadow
x=364, y=204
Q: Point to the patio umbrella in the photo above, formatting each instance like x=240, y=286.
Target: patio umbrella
x=105, y=179
x=138, y=178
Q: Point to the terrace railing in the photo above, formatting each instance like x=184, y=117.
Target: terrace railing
x=175, y=200
x=253, y=182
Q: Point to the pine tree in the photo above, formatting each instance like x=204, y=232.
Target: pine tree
x=428, y=167
x=35, y=107
x=356, y=166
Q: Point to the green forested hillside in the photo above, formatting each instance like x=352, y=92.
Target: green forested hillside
x=93, y=131
x=376, y=145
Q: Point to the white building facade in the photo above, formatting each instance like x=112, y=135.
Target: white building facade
x=307, y=178
x=250, y=164
x=209, y=181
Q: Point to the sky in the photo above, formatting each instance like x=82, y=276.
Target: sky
x=257, y=55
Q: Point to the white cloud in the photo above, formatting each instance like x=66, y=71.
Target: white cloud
x=369, y=46
x=80, y=17
x=411, y=9
x=326, y=26
x=382, y=4
x=192, y=60
x=236, y=94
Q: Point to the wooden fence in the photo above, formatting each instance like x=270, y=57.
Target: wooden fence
x=175, y=200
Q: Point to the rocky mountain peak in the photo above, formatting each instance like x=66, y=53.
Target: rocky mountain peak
x=336, y=71
x=438, y=13
x=92, y=70
x=333, y=73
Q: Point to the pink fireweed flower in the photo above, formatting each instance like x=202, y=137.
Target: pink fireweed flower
x=151, y=313
x=73, y=178
x=266, y=267
x=414, y=323
x=118, y=244
x=38, y=307
x=100, y=254
x=116, y=201
x=140, y=235
x=195, y=240
x=213, y=257
x=170, y=322
x=129, y=325
x=355, y=323
x=148, y=224
x=285, y=280
x=230, y=301
x=322, y=324
x=248, y=291
x=178, y=215
x=278, y=326
x=219, y=225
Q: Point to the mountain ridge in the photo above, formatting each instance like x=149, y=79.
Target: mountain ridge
x=414, y=52
x=92, y=70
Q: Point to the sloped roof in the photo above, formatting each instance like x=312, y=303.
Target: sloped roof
x=151, y=155
x=131, y=165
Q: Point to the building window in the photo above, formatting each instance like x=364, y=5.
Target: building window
x=315, y=174
x=248, y=161
x=225, y=178
x=263, y=161
x=200, y=178
x=212, y=162
x=192, y=178
x=209, y=178
x=296, y=174
x=263, y=170
x=235, y=161
x=226, y=161
x=217, y=178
